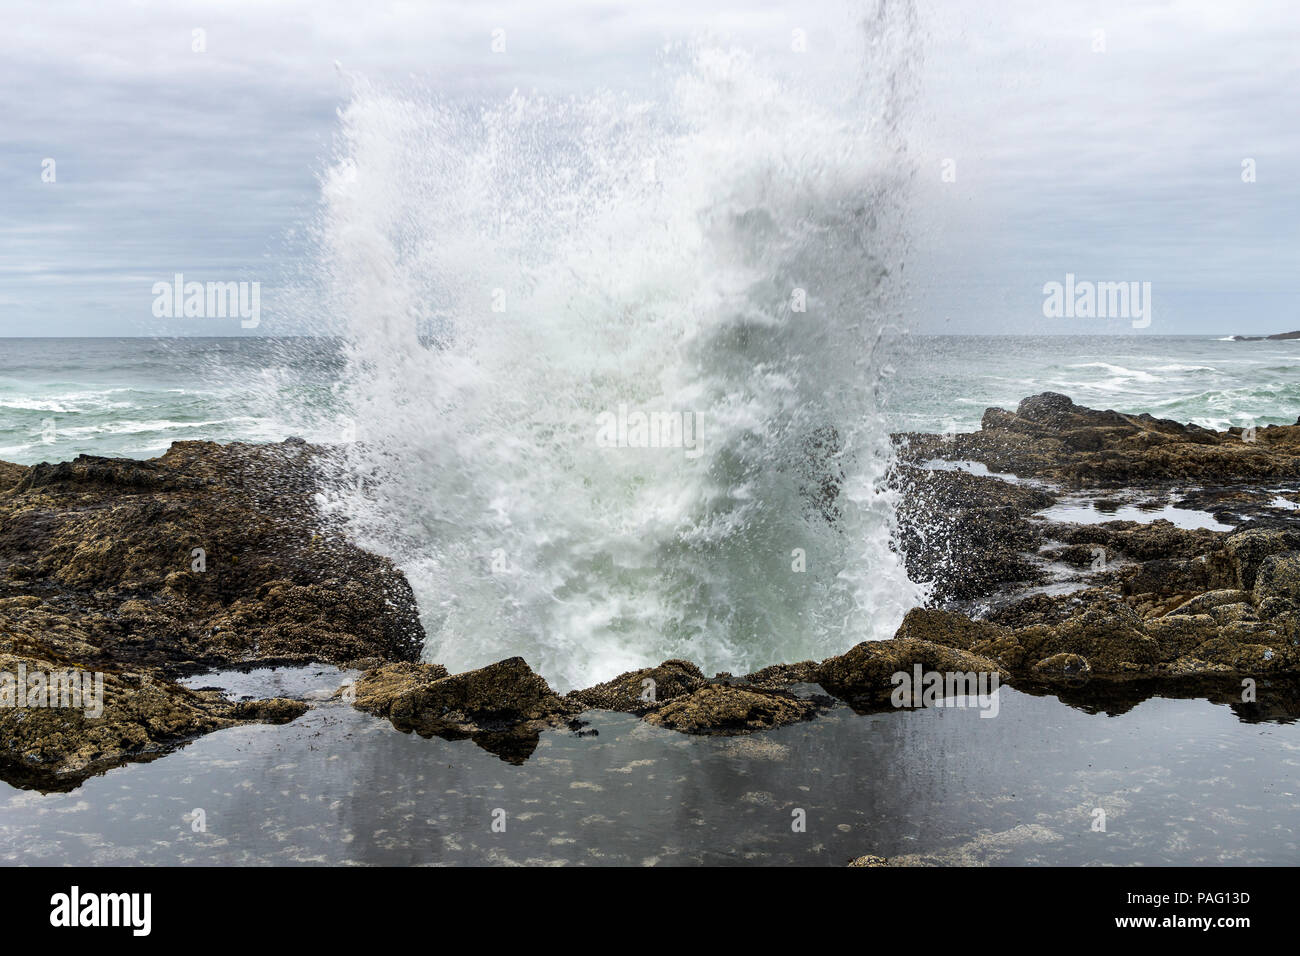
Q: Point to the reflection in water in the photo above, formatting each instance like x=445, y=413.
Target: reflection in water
x=1086, y=511
x=1277, y=700
x=1182, y=781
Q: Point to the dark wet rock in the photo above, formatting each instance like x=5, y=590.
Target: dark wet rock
x=1076, y=555
x=273, y=710
x=1050, y=437
x=1137, y=541
x=967, y=534
x=863, y=676
x=507, y=691
x=1239, y=655
x=1110, y=636
x=1249, y=548
x=1287, y=626
x=53, y=748
x=1230, y=613
x=1101, y=635
x=381, y=686
x=1119, y=641
x=1232, y=504
x=1063, y=666
x=642, y=691
x=1279, y=577
x=784, y=676
x=1196, y=667
x=53, y=740
x=11, y=474
x=684, y=700
x=208, y=556
x=985, y=639
x=730, y=709
x=1035, y=609
x=502, y=707
x=947, y=628
x=1180, y=576
x=980, y=540
x=1162, y=601
x=1271, y=607
x=1210, y=600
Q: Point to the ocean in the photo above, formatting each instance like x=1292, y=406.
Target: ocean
x=132, y=397
x=631, y=566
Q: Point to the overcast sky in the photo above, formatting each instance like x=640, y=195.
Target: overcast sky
x=1123, y=163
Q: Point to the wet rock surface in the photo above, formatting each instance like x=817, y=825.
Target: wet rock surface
x=727, y=709
x=1126, y=598
x=502, y=707
x=1049, y=437
x=216, y=556
x=642, y=691
x=968, y=534
x=146, y=571
x=863, y=676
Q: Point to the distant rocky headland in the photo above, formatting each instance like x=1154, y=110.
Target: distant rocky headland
x=1277, y=336
x=215, y=556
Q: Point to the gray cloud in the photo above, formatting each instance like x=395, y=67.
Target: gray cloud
x=1116, y=165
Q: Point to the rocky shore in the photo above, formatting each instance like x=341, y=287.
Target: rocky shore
x=216, y=556
x=209, y=556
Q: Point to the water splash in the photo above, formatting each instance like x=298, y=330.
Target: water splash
x=514, y=279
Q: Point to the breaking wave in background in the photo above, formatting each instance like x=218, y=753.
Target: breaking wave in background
x=505, y=275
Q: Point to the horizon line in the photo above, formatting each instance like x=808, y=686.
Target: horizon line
x=977, y=335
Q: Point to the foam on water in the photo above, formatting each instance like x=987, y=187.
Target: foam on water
x=506, y=276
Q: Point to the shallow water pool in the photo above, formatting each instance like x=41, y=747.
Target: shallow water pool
x=1179, y=781
x=1085, y=511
